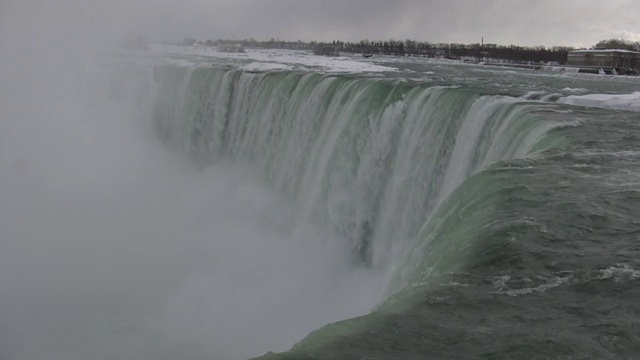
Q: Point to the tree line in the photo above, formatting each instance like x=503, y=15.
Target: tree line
x=472, y=52
x=476, y=52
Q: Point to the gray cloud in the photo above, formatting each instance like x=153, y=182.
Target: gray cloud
x=548, y=22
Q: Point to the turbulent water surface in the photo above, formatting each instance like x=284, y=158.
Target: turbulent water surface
x=441, y=210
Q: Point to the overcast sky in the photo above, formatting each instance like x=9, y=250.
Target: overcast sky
x=522, y=22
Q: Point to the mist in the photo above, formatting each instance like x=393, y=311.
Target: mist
x=112, y=245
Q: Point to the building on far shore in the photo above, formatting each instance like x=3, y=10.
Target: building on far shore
x=621, y=60
x=231, y=48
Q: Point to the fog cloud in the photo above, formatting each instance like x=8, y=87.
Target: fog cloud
x=112, y=246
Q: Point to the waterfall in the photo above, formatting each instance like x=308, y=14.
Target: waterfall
x=368, y=158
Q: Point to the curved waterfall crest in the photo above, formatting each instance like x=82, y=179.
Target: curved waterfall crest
x=370, y=158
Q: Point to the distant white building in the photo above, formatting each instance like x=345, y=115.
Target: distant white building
x=620, y=59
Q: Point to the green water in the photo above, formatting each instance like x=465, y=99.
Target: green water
x=505, y=221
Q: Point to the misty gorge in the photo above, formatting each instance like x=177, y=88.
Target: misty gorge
x=163, y=200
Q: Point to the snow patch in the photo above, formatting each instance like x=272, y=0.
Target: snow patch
x=628, y=102
x=258, y=66
x=275, y=59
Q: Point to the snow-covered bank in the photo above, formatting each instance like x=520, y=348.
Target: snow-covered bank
x=629, y=102
x=270, y=59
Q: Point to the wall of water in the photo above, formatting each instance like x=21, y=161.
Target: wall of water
x=368, y=158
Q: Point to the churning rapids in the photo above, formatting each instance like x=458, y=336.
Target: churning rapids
x=195, y=208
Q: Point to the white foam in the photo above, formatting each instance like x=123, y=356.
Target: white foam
x=575, y=90
x=501, y=283
x=629, y=102
x=555, y=282
x=619, y=273
x=534, y=95
x=551, y=97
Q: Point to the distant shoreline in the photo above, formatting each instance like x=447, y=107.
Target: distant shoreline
x=479, y=52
